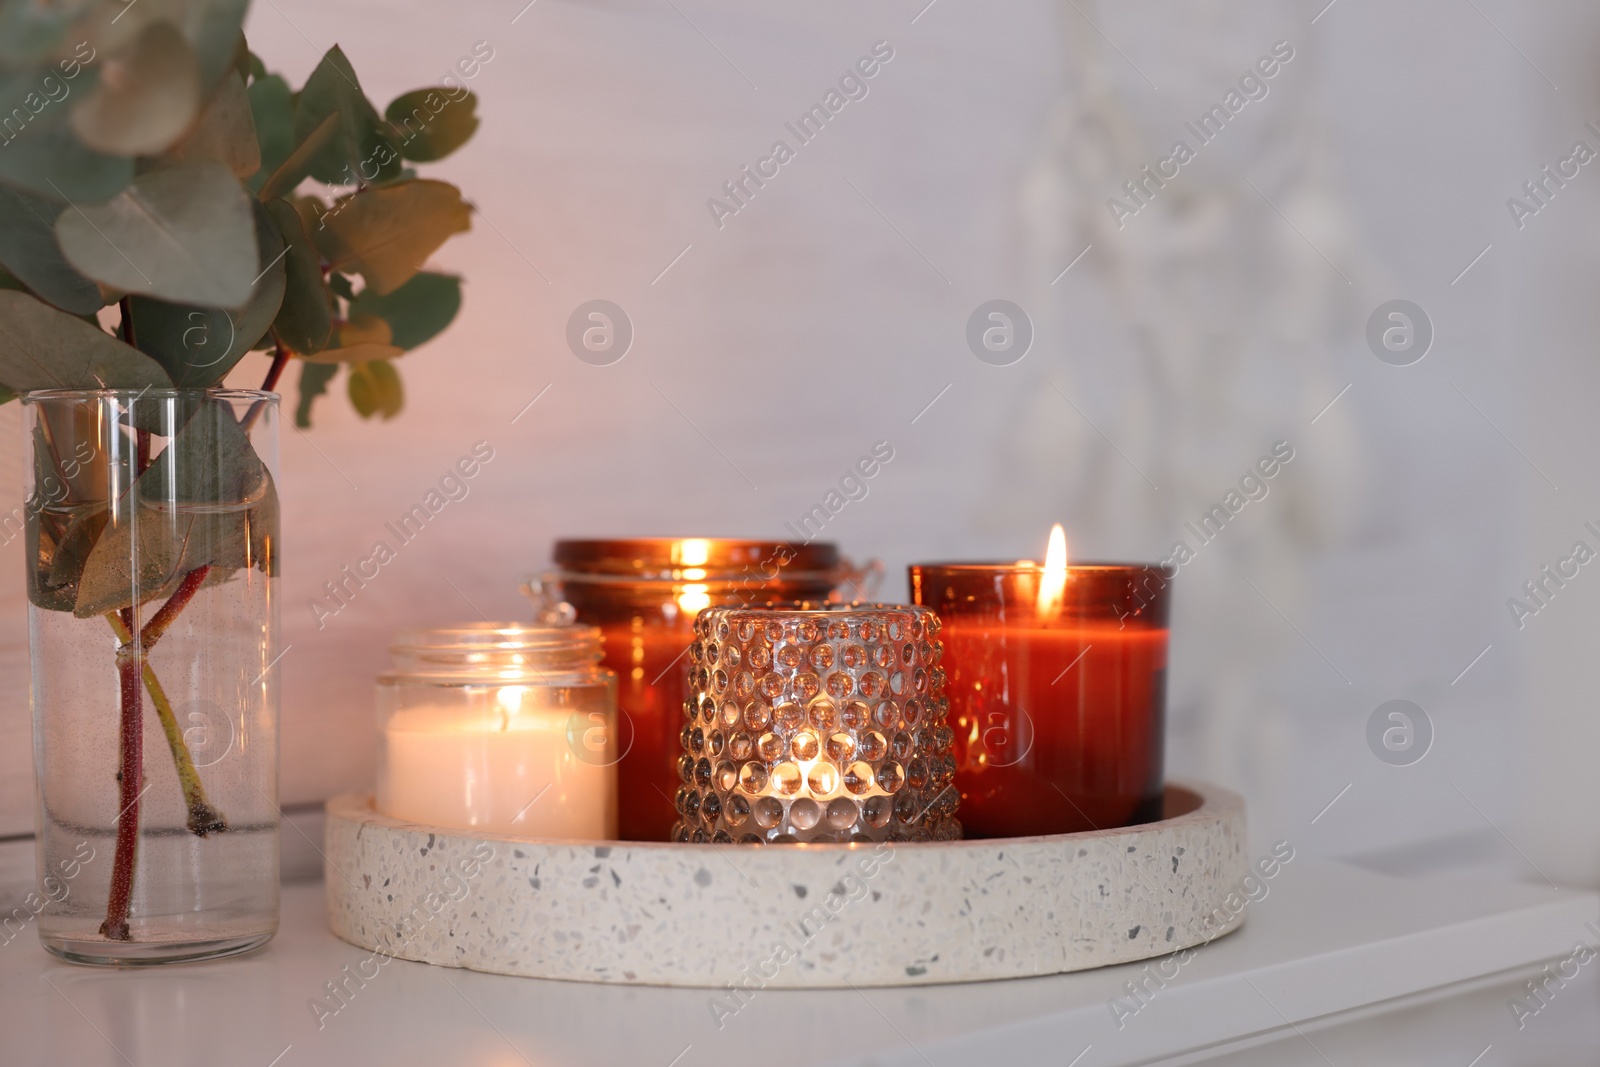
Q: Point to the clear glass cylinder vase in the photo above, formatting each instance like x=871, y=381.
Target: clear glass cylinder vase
x=152, y=558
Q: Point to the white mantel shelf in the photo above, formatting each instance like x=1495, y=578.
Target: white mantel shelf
x=1330, y=948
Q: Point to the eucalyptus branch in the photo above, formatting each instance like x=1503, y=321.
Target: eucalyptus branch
x=127, y=322
x=280, y=360
x=167, y=614
x=129, y=790
x=203, y=818
x=132, y=665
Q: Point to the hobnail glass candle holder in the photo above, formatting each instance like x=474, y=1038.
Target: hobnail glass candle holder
x=816, y=723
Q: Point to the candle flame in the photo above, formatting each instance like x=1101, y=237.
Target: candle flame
x=1053, y=582
x=694, y=598
x=510, y=700
x=694, y=551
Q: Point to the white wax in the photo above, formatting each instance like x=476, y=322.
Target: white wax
x=505, y=770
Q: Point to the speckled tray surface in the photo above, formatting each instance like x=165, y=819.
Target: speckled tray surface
x=787, y=916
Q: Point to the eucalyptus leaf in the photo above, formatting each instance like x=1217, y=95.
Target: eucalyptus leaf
x=310, y=209
x=43, y=348
x=210, y=462
x=272, y=109
x=145, y=98
x=296, y=167
x=72, y=552
x=243, y=60
x=32, y=33
x=429, y=124
x=212, y=27
x=28, y=249
x=386, y=233
x=314, y=379
x=417, y=311
x=182, y=233
x=206, y=500
x=361, y=352
x=364, y=330
x=261, y=535
x=199, y=345
x=215, y=27
x=361, y=149
x=305, y=319
x=40, y=153
x=225, y=130
x=375, y=389
x=40, y=544
x=144, y=552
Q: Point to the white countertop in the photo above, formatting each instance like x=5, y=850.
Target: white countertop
x=1333, y=959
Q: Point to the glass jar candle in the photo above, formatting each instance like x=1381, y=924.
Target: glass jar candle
x=816, y=723
x=500, y=727
x=644, y=594
x=1057, y=687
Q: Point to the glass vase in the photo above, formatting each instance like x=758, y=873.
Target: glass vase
x=152, y=556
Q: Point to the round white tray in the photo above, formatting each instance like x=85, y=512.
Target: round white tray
x=787, y=916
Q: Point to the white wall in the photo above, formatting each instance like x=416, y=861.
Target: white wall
x=829, y=312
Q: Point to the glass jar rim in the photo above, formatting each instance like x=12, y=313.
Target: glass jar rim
x=33, y=396
x=817, y=608
x=1030, y=566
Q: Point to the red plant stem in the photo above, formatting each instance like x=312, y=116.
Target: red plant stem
x=168, y=612
x=142, y=457
x=127, y=321
x=130, y=669
x=115, y=927
x=280, y=360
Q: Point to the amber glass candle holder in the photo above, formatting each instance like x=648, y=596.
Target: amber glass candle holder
x=816, y=723
x=644, y=593
x=1057, y=693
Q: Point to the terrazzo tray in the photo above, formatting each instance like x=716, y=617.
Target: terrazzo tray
x=788, y=916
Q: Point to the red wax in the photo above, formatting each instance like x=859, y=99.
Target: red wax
x=648, y=652
x=1057, y=730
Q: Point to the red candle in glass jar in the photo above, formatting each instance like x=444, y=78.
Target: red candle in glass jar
x=1057, y=689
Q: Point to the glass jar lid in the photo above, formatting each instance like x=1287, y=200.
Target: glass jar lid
x=694, y=559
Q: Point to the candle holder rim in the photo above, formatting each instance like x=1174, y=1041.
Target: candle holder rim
x=1033, y=566
x=815, y=607
x=645, y=558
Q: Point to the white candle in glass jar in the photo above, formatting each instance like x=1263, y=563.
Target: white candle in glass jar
x=512, y=766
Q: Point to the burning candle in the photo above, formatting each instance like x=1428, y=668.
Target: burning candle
x=1057, y=688
x=816, y=723
x=644, y=594
x=503, y=729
